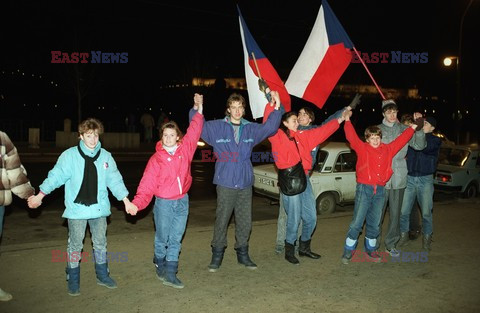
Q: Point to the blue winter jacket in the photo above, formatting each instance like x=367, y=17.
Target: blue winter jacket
x=233, y=168
x=424, y=162
x=69, y=171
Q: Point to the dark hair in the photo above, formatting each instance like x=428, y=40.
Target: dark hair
x=309, y=112
x=407, y=118
x=285, y=117
x=390, y=106
x=171, y=125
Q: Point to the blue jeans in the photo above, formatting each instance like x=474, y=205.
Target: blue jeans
x=300, y=207
x=420, y=188
x=170, y=218
x=368, y=208
x=2, y=213
x=76, y=234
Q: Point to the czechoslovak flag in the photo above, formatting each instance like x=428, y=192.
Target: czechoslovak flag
x=267, y=72
x=324, y=58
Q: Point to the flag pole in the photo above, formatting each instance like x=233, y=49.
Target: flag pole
x=262, y=84
x=256, y=65
x=364, y=65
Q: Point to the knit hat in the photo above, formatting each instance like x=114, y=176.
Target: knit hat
x=387, y=102
x=431, y=120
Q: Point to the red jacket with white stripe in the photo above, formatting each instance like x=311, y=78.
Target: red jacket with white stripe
x=168, y=176
x=374, y=165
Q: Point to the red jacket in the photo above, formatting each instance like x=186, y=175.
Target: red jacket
x=168, y=176
x=374, y=165
x=287, y=154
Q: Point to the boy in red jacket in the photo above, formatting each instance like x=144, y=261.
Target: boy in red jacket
x=167, y=177
x=374, y=169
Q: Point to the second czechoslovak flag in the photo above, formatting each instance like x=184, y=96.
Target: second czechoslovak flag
x=324, y=58
x=267, y=72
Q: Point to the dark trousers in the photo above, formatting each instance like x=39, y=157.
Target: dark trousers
x=239, y=202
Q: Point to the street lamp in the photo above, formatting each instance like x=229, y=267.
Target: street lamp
x=457, y=116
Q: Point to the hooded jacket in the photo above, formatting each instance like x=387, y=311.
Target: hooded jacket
x=13, y=176
x=166, y=175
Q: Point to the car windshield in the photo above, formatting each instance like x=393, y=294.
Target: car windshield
x=321, y=158
x=453, y=156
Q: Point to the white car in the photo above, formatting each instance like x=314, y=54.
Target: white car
x=333, y=178
x=458, y=170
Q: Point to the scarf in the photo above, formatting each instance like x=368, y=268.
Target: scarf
x=88, y=191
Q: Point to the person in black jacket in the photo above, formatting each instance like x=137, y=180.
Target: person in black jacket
x=421, y=165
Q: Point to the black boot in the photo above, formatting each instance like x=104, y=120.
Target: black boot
x=290, y=253
x=171, y=278
x=217, y=257
x=304, y=250
x=244, y=259
x=427, y=241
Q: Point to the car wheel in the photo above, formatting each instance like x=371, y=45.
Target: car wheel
x=470, y=191
x=326, y=203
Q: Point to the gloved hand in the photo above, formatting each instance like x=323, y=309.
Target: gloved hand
x=355, y=101
x=419, y=121
x=262, y=85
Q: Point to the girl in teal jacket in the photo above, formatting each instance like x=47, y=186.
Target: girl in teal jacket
x=86, y=170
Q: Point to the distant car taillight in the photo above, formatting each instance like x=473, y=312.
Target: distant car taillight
x=444, y=178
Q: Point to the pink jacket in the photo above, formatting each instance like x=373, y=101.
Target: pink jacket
x=168, y=176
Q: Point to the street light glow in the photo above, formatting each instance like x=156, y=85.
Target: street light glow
x=447, y=61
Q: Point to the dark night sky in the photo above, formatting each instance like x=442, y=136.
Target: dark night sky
x=176, y=40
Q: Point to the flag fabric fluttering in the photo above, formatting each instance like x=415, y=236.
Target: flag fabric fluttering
x=265, y=71
x=324, y=58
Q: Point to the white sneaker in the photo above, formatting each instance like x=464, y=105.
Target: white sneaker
x=5, y=296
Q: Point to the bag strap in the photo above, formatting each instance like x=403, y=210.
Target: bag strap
x=295, y=142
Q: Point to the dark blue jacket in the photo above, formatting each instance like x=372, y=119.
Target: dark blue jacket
x=424, y=162
x=233, y=168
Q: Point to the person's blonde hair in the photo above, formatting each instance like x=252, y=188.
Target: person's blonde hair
x=90, y=124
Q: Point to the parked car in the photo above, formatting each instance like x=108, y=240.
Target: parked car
x=458, y=170
x=333, y=178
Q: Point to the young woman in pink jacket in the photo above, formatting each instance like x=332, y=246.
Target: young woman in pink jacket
x=167, y=177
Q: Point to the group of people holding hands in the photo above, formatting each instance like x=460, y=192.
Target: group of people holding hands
x=87, y=171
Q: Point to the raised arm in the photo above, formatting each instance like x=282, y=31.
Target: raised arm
x=403, y=139
x=418, y=141
x=196, y=124
x=351, y=134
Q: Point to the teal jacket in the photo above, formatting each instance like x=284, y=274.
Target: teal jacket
x=68, y=171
